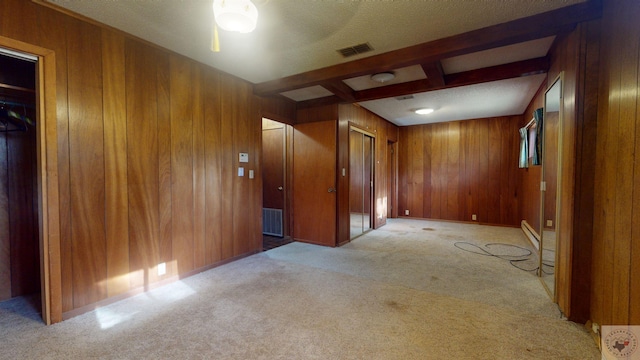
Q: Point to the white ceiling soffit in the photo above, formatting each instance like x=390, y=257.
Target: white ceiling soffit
x=498, y=56
x=308, y=93
x=402, y=75
x=498, y=98
x=296, y=36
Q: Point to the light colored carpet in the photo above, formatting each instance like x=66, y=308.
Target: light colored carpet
x=405, y=291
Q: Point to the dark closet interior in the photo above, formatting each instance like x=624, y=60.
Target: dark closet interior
x=19, y=238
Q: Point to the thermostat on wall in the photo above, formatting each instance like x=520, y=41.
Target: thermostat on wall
x=244, y=157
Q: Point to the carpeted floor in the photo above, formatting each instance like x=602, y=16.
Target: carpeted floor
x=411, y=290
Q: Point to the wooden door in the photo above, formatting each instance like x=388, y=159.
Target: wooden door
x=273, y=155
x=314, y=182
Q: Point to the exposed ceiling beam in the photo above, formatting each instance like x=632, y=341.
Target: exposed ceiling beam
x=340, y=89
x=498, y=72
x=512, y=32
x=434, y=72
x=493, y=73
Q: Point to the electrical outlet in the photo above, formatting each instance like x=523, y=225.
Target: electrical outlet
x=162, y=269
x=549, y=223
x=474, y=217
x=406, y=212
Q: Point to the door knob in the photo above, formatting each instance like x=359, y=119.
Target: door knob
x=332, y=190
x=279, y=188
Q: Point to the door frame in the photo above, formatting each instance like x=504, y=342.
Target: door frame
x=372, y=135
x=47, y=177
x=287, y=145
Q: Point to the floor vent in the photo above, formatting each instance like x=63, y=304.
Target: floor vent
x=272, y=222
x=355, y=50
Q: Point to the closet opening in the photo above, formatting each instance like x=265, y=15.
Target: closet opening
x=361, y=181
x=43, y=212
x=20, y=262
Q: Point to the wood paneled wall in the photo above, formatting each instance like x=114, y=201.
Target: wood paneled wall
x=384, y=132
x=148, y=145
x=450, y=171
x=616, y=231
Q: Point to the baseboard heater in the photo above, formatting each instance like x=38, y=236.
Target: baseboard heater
x=533, y=236
x=272, y=222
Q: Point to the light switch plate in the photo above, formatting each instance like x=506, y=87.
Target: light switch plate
x=240, y=171
x=250, y=174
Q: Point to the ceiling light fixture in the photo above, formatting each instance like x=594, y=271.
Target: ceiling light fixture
x=424, y=111
x=383, y=77
x=235, y=15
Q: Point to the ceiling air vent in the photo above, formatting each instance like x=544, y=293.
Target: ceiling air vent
x=406, y=97
x=355, y=50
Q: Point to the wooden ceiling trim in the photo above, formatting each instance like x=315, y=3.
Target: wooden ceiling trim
x=512, y=32
x=434, y=72
x=498, y=72
x=472, y=77
x=340, y=89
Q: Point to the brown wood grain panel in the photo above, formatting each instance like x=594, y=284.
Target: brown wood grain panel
x=142, y=163
x=437, y=173
x=483, y=171
x=5, y=240
x=381, y=196
x=199, y=181
x=493, y=183
x=472, y=169
x=427, y=162
x=314, y=207
x=278, y=109
x=453, y=171
x=586, y=139
x=634, y=243
x=86, y=158
x=273, y=161
x=115, y=162
x=403, y=168
x=181, y=163
x=213, y=167
x=463, y=195
x=165, y=210
x=53, y=35
x=343, y=221
x=627, y=88
x=229, y=164
x=244, y=209
x=600, y=280
x=567, y=173
x=417, y=178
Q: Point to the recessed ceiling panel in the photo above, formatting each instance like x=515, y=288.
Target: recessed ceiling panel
x=497, y=98
x=498, y=56
x=402, y=75
x=308, y=93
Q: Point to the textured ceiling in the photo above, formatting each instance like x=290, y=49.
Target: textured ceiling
x=497, y=98
x=297, y=36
